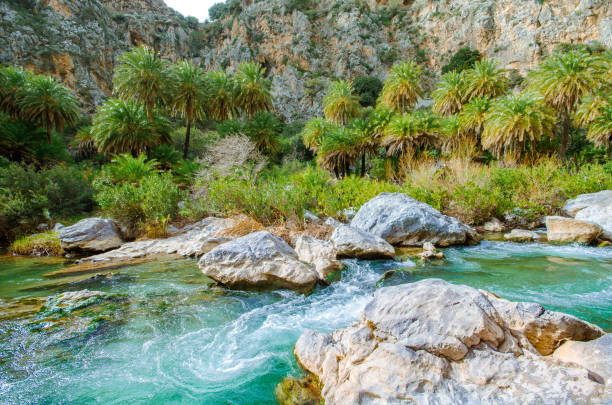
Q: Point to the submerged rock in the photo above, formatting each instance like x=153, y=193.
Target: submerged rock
x=436, y=342
x=402, y=220
x=561, y=229
x=522, y=235
x=90, y=235
x=292, y=391
x=595, y=208
x=350, y=242
x=320, y=254
x=258, y=260
x=429, y=252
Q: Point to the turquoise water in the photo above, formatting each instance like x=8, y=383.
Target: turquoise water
x=170, y=336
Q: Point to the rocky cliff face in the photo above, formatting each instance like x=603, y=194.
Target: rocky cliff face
x=303, y=43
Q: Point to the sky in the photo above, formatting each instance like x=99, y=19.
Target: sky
x=195, y=8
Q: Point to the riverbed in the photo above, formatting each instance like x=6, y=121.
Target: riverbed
x=167, y=334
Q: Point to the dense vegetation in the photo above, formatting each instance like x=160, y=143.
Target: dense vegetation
x=176, y=143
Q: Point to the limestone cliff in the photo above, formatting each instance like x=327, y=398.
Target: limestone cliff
x=303, y=43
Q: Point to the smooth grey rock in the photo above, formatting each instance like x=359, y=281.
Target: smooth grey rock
x=522, y=235
x=561, y=229
x=334, y=223
x=258, y=260
x=57, y=227
x=494, y=225
x=90, y=235
x=350, y=242
x=595, y=355
x=311, y=218
x=189, y=241
x=349, y=213
x=402, y=220
x=429, y=252
x=319, y=253
x=433, y=342
x=42, y=227
x=595, y=208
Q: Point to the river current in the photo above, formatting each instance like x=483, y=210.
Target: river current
x=171, y=336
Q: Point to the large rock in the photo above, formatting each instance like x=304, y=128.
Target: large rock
x=350, y=242
x=192, y=240
x=258, y=260
x=561, y=229
x=595, y=355
x=435, y=342
x=402, y=220
x=320, y=254
x=90, y=235
x=595, y=208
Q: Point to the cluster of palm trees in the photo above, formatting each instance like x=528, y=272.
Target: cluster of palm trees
x=150, y=88
x=37, y=98
x=471, y=110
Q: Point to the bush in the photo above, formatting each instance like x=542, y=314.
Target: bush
x=148, y=205
x=29, y=196
x=463, y=59
x=368, y=88
x=40, y=244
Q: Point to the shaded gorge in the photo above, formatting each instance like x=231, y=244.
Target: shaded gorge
x=164, y=333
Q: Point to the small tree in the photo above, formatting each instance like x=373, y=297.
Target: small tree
x=402, y=89
x=463, y=59
x=448, y=95
x=252, y=89
x=484, y=80
x=368, y=88
x=340, y=104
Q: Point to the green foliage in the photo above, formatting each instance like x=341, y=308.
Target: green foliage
x=29, y=196
x=252, y=89
x=264, y=131
x=166, y=156
x=448, y=95
x=340, y=104
x=368, y=88
x=125, y=127
x=219, y=11
x=146, y=205
x=484, y=80
x=463, y=59
x=402, y=88
x=222, y=94
x=198, y=144
x=39, y=244
x=128, y=169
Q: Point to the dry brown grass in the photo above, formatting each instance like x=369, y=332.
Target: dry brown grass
x=291, y=230
x=241, y=225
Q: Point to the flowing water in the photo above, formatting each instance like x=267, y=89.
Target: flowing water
x=168, y=335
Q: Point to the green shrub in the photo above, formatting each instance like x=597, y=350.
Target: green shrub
x=40, y=244
x=368, y=88
x=29, y=196
x=147, y=205
x=463, y=59
x=128, y=169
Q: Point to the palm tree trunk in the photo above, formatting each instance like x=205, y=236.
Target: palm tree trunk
x=49, y=134
x=565, y=131
x=187, y=136
x=363, y=162
x=336, y=171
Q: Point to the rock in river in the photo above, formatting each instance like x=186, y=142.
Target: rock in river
x=595, y=208
x=440, y=343
x=522, y=235
x=561, y=229
x=258, y=260
x=90, y=235
x=320, y=254
x=350, y=242
x=402, y=220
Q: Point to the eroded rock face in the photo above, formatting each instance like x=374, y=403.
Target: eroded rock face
x=320, y=254
x=402, y=220
x=595, y=355
x=435, y=342
x=192, y=240
x=90, y=235
x=595, y=208
x=350, y=242
x=258, y=260
x=561, y=229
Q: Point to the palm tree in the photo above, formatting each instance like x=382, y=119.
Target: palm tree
x=471, y=120
x=264, y=130
x=341, y=104
x=189, y=96
x=448, y=95
x=222, y=94
x=48, y=103
x=600, y=129
x=84, y=144
x=516, y=122
x=142, y=76
x=408, y=133
x=402, y=89
x=124, y=127
x=314, y=132
x=563, y=79
x=253, y=89
x=378, y=121
x=12, y=81
x=366, y=143
x=590, y=108
x=337, y=152
x=484, y=80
